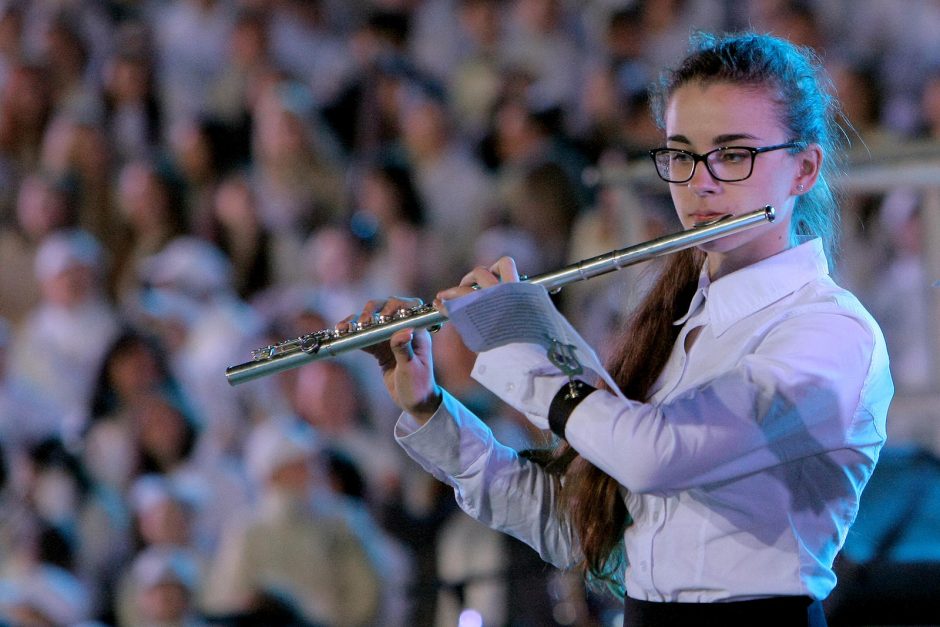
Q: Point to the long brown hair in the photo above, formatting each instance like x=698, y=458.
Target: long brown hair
x=635, y=365
x=591, y=498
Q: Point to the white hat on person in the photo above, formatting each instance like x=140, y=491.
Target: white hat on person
x=190, y=265
x=62, y=250
x=152, y=489
x=55, y=593
x=277, y=442
x=165, y=564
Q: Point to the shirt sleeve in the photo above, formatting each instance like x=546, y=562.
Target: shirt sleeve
x=491, y=482
x=797, y=394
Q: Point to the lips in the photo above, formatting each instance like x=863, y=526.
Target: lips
x=704, y=218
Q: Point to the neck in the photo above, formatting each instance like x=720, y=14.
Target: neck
x=743, y=249
x=723, y=263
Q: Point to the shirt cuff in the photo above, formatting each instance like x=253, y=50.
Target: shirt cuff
x=520, y=375
x=449, y=443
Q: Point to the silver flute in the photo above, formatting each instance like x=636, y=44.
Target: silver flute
x=332, y=342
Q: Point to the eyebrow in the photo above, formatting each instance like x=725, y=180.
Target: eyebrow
x=718, y=141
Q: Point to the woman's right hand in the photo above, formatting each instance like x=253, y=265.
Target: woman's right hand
x=405, y=359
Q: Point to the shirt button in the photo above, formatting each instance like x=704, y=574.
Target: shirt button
x=510, y=387
x=481, y=369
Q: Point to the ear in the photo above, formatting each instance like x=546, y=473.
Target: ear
x=809, y=164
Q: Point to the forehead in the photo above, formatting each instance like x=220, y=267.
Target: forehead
x=702, y=112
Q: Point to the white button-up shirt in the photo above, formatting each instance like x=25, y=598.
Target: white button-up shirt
x=742, y=472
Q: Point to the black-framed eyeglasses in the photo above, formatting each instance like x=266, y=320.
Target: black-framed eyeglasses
x=726, y=163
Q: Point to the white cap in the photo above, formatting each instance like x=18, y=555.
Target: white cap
x=165, y=564
x=190, y=265
x=62, y=250
x=152, y=489
x=51, y=591
x=277, y=442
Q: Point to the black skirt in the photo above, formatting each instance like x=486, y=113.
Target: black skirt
x=792, y=611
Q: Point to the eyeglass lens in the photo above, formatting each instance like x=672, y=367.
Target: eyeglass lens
x=726, y=164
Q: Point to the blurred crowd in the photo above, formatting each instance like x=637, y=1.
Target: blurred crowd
x=182, y=181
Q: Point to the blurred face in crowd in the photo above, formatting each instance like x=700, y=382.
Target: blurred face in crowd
x=162, y=430
x=193, y=152
x=164, y=602
x=280, y=135
x=134, y=371
x=325, y=395
x=234, y=205
x=165, y=522
x=39, y=208
x=71, y=287
x=294, y=477
x=379, y=198
x=424, y=128
x=142, y=197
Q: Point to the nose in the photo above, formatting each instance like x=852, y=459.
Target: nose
x=702, y=181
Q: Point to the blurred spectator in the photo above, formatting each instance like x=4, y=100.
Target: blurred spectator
x=164, y=513
x=63, y=338
x=326, y=395
x=314, y=559
x=545, y=204
x=11, y=39
x=93, y=524
x=190, y=38
x=165, y=588
x=203, y=324
x=306, y=45
x=67, y=57
x=132, y=114
x=151, y=212
x=26, y=416
x=537, y=40
x=43, y=206
x=795, y=20
x=133, y=368
x=164, y=523
x=899, y=297
x=249, y=59
x=902, y=45
x=235, y=226
x=336, y=264
x=295, y=169
x=364, y=115
x=25, y=110
x=860, y=93
x=45, y=596
x=930, y=105
x=202, y=151
x=167, y=441
x=476, y=80
x=405, y=256
x=450, y=181
x=77, y=151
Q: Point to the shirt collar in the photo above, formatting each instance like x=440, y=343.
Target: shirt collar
x=750, y=289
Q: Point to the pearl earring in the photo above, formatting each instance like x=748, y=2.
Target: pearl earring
x=799, y=187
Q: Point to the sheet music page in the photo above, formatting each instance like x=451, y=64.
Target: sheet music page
x=520, y=313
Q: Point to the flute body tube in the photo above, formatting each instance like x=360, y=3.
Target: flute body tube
x=330, y=342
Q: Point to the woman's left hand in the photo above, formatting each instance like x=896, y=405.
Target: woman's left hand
x=503, y=271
